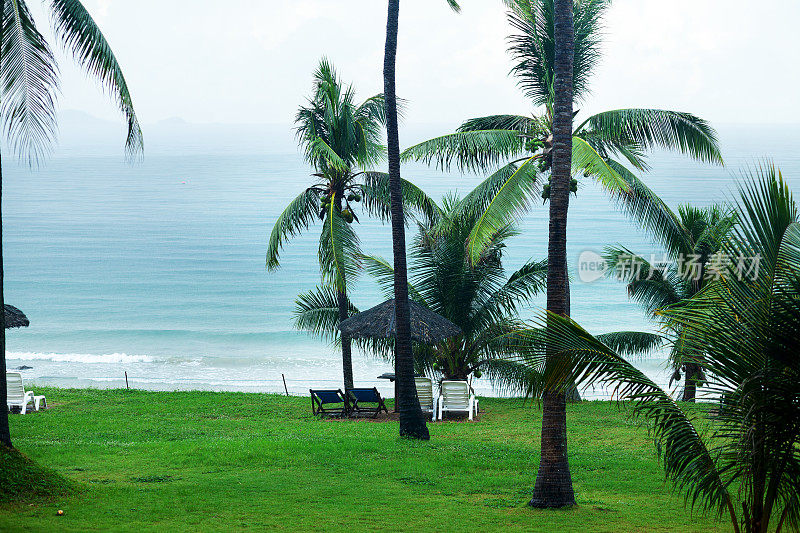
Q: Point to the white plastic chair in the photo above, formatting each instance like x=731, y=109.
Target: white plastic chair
x=425, y=395
x=456, y=396
x=18, y=397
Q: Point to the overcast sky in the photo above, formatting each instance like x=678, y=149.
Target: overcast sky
x=250, y=61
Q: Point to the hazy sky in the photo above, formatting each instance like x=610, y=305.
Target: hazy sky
x=251, y=60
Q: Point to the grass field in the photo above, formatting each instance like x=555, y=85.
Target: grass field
x=196, y=461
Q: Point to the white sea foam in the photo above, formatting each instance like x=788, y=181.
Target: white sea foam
x=114, y=358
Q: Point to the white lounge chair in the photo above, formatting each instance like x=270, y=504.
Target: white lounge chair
x=456, y=396
x=18, y=397
x=425, y=395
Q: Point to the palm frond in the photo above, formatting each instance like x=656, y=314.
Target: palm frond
x=509, y=195
x=747, y=326
x=473, y=151
x=377, y=199
x=654, y=286
x=632, y=343
x=528, y=126
x=29, y=77
x=373, y=110
x=454, y=5
x=533, y=45
x=317, y=312
x=647, y=209
x=324, y=155
x=529, y=281
x=510, y=377
x=658, y=128
x=339, y=251
x=380, y=269
x=587, y=161
x=295, y=218
x=335, y=134
x=80, y=34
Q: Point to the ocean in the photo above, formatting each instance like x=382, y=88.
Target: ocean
x=157, y=268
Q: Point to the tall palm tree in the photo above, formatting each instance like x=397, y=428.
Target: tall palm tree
x=741, y=458
x=556, y=49
x=28, y=89
x=412, y=421
x=342, y=141
x=692, y=239
x=517, y=150
x=553, y=486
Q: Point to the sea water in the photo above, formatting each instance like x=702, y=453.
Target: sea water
x=157, y=269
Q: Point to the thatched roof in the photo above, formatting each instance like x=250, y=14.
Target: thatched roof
x=15, y=318
x=378, y=323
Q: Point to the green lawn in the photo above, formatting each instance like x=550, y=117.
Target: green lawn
x=199, y=461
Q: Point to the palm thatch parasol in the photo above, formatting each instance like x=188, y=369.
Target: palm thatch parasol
x=15, y=318
x=379, y=323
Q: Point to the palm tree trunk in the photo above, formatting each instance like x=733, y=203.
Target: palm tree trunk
x=341, y=300
x=5, y=432
x=412, y=421
x=553, y=482
x=347, y=353
x=691, y=374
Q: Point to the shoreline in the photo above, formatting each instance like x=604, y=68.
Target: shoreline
x=163, y=377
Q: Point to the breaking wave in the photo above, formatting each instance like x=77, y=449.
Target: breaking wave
x=113, y=358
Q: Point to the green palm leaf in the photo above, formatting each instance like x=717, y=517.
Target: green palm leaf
x=657, y=128
x=587, y=161
x=509, y=193
x=380, y=269
x=529, y=281
x=628, y=343
x=77, y=30
x=377, y=200
x=653, y=286
x=317, y=312
x=295, y=218
x=530, y=126
x=30, y=81
x=339, y=250
x=320, y=151
x=533, y=46
x=468, y=150
x=747, y=325
x=644, y=206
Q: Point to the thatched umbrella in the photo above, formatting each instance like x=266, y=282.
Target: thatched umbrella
x=15, y=318
x=379, y=323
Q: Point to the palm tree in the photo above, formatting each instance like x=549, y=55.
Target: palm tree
x=556, y=49
x=479, y=298
x=342, y=141
x=29, y=75
x=518, y=149
x=553, y=486
x=412, y=421
x=692, y=239
x=740, y=458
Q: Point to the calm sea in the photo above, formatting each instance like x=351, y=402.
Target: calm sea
x=157, y=269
